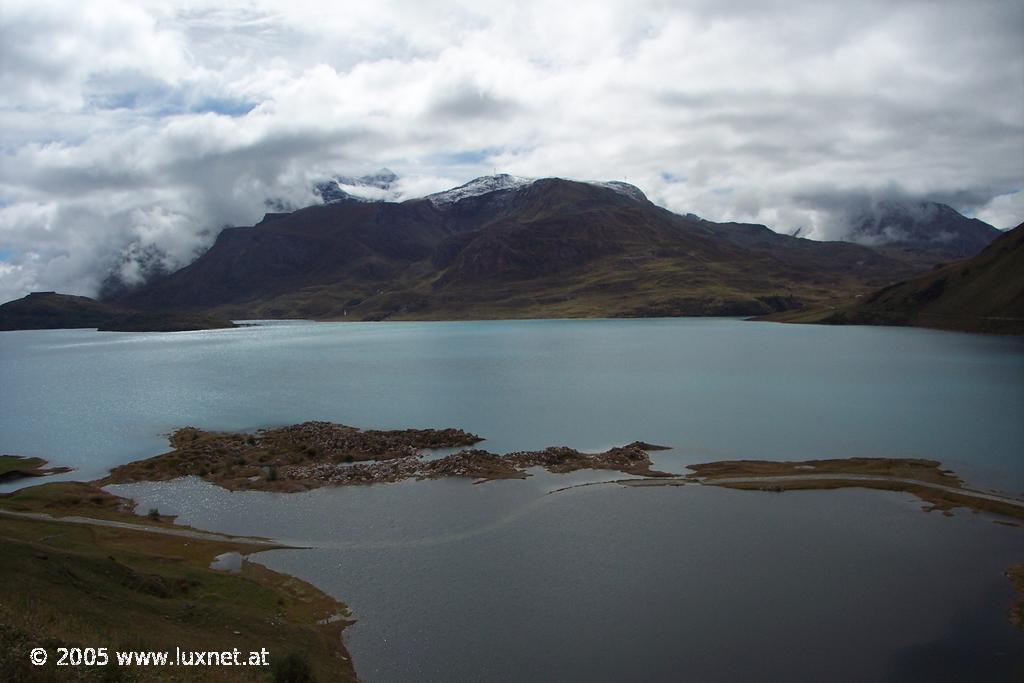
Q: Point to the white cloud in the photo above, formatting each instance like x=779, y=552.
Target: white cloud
x=1005, y=211
x=151, y=124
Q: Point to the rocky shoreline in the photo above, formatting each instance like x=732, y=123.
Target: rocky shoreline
x=480, y=465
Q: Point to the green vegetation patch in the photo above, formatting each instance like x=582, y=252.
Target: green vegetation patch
x=82, y=586
x=17, y=463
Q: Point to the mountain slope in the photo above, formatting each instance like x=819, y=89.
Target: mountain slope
x=509, y=247
x=980, y=294
x=356, y=247
x=923, y=226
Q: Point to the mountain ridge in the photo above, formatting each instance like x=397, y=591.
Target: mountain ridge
x=505, y=247
x=510, y=247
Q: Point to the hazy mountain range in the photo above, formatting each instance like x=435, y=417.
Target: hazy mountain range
x=928, y=226
x=504, y=246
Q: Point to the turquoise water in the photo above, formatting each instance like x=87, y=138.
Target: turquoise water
x=712, y=389
x=451, y=581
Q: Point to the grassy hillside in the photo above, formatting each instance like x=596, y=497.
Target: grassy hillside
x=74, y=585
x=980, y=294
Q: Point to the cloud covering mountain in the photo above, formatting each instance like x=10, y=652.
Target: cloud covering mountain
x=133, y=131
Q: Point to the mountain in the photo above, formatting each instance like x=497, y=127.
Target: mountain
x=503, y=181
x=503, y=246
x=984, y=293
x=368, y=188
x=929, y=227
x=50, y=310
x=479, y=187
x=145, y=264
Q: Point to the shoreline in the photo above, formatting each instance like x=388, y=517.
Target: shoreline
x=144, y=583
x=390, y=456
x=969, y=498
x=796, y=316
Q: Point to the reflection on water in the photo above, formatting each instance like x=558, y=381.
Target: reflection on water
x=228, y=562
x=506, y=581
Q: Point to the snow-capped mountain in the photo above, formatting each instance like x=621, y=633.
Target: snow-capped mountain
x=631, y=191
x=479, y=186
x=382, y=186
x=375, y=187
x=383, y=178
x=503, y=181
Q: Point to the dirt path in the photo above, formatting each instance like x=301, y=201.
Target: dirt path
x=147, y=528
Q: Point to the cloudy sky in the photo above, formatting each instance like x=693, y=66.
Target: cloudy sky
x=134, y=128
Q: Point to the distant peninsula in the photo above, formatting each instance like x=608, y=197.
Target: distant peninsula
x=50, y=310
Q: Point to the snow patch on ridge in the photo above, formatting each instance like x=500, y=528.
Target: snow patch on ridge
x=479, y=186
x=622, y=188
x=503, y=181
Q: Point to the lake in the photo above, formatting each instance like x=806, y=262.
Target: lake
x=508, y=581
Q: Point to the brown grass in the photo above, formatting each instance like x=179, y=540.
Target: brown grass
x=938, y=500
x=902, y=468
